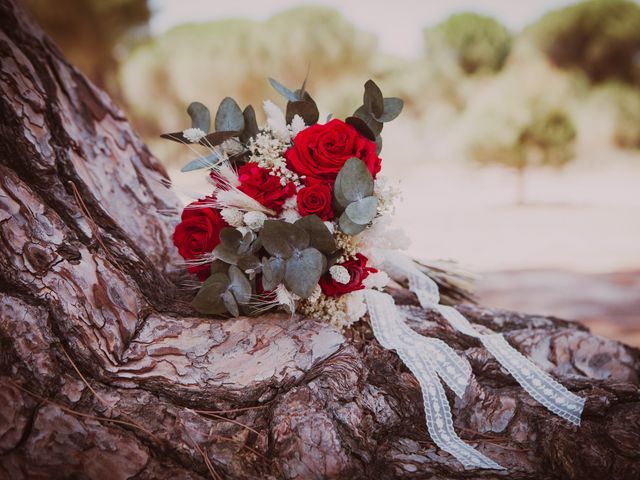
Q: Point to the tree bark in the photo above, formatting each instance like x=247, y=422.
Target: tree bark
x=105, y=372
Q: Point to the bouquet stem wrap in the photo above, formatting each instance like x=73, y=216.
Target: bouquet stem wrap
x=430, y=358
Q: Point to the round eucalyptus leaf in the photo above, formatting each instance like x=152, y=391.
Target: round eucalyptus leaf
x=357, y=122
x=308, y=111
x=281, y=239
x=349, y=227
x=230, y=237
x=303, y=270
x=226, y=254
x=248, y=262
x=392, y=108
x=240, y=285
x=229, y=117
x=378, y=145
x=337, y=194
x=320, y=236
x=202, y=162
x=208, y=299
x=272, y=272
x=250, y=124
x=218, y=266
x=230, y=303
x=373, y=100
x=200, y=116
x=216, y=138
x=362, y=211
x=284, y=91
x=355, y=180
x=374, y=125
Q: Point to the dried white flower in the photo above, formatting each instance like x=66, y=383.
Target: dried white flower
x=340, y=274
x=276, y=121
x=290, y=203
x=297, y=125
x=290, y=215
x=377, y=280
x=232, y=216
x=355, y=306
x=330, y=226
x=254, y=220
x=286, y=298
x=193, y=134
x=315, y=295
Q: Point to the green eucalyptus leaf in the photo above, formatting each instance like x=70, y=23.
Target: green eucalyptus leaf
x=230, y=237
x=229, y=117
x=272, y=272
x=239, y=285
x=218, y=266
x=392, y=108
x=216, y=138
x=361, y=126
x=362, y=211
x=226, y=254
x=349, y=227
x=378, y=145
x=320, y=236
x=246, y=243
x=248, y=262
x=175, y=137
x=303, y=271
x=307, y=110
x=281, y=239
x=200, y=116
x=202, y=162
x=230, y=303
x=374, y=126
x=373, y=100
x=250, y=124
x=355, y=181
x=208, y=299
x=284, y=91
x=339, y=198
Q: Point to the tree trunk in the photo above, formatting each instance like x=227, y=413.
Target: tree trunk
x=107, y=374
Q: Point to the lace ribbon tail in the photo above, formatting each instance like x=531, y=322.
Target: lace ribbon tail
x=393, y=333
x=539, y=384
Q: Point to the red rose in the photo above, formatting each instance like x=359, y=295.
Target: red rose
x=198, y=234
x=358, y=271
x=320, y=151
x=315, y=198
x=256, y=182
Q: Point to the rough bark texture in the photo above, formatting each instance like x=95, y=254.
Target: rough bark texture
x=106, y=374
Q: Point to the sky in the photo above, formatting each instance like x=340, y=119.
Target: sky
x=397, y=23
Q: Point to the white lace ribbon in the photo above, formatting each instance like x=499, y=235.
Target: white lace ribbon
x=427, y=357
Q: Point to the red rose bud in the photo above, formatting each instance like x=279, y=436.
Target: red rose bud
x=320, y=151
x=358, y=271
x=198, y=234
x=316, y=199
x=256, y=182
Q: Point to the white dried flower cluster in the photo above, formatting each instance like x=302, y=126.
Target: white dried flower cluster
x=232, y=216
x=290, y=215
x=377, y=280
x=388, y=193
x=254, y=220
x=340, y=312
x=348, y=244
x=267, y=150
x=340, y=274
x=286, y=298
x=193, y=134
x=381, y=235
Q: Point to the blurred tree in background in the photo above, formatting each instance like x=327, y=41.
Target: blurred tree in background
x=476, y=43
x=600, y=37
x=90, y=31
x=211, y=60
x=541, y=135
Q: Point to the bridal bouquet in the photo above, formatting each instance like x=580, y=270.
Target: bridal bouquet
x=297, y=209
x=299, y=220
